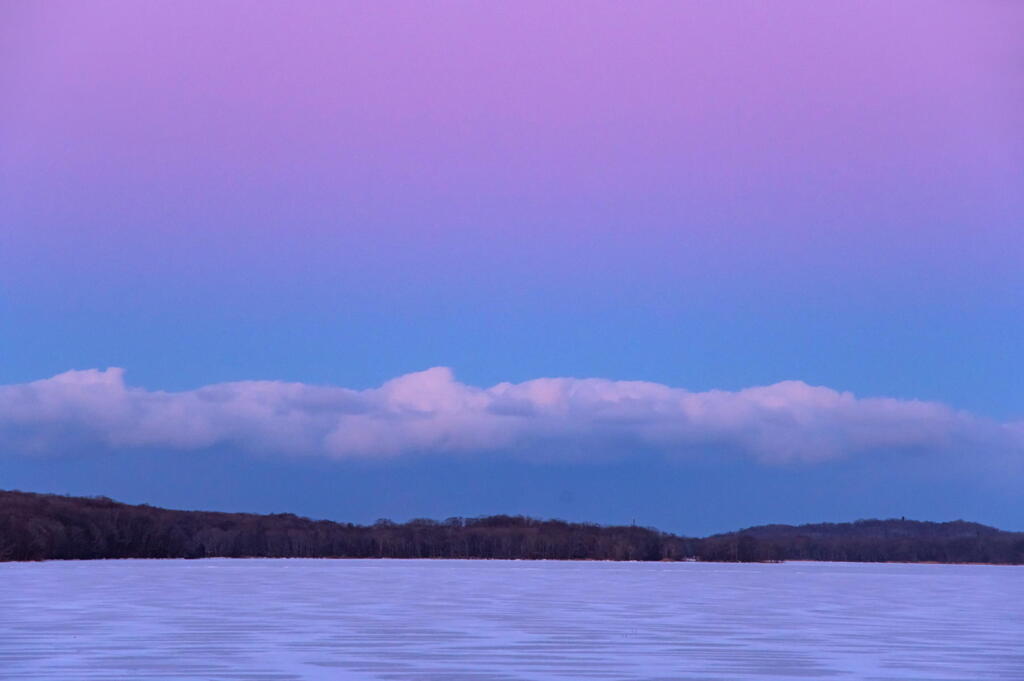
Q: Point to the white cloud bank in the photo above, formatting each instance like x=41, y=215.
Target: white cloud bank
x=431, y=412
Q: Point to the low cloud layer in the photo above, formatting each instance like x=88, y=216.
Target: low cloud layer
x=431, y=412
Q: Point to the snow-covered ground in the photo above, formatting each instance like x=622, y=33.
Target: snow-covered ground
x=274, y=620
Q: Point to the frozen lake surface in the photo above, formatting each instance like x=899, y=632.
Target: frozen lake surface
x=278, y=620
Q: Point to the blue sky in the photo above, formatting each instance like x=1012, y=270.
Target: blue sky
x=787, y=250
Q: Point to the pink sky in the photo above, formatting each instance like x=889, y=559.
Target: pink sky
x=755, y=232
x=687, y=137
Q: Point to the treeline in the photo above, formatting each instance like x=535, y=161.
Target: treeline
x=44, y=527
x=873, y=541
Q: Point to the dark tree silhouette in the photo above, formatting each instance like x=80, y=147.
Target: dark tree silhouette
x=45, y=526
x=869, y=541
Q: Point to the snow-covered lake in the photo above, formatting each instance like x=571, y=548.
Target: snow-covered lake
x=276, y=620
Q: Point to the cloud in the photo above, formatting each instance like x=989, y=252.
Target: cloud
x=431, y=412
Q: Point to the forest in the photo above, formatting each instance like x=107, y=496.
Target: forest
x=52, y=527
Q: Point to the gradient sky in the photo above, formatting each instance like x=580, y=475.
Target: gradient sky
x=797, y=228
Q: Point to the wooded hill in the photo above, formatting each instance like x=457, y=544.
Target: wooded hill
x=875, y=541
x=45, y=526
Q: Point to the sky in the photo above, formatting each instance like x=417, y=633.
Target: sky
x=695, y=265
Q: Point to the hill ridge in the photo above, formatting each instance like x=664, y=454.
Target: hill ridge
x=36, y=526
